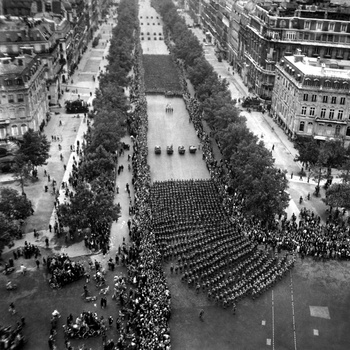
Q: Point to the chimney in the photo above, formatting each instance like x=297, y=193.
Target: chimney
x=298, y=56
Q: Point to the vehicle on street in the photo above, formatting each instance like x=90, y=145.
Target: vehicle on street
x=181, y=149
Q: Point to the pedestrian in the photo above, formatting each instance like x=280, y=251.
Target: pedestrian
x=117, y=189
x=201, y=314
x=48, y=178
x=234, y=309
x=37, y=263
x=273, y=147
x=47, y=242
x=12, y=308
x=110, y=321
x=51, y=342
x=291, y=175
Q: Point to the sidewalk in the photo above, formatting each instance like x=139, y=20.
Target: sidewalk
x=71, y=130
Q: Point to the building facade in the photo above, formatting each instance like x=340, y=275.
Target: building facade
x=275, y=31
x=311, y=97
x=23, y=95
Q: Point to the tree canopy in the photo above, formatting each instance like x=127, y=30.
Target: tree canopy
x=34, y=148
x=14, y=205
x=338, y=195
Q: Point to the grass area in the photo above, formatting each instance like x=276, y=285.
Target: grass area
x=160, y=74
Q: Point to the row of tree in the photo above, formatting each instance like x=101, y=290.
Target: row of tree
x=253, y=176
x=14, y=207
x=93, y=206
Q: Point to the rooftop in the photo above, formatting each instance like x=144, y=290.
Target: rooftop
x=14, y=65
x=316, y=66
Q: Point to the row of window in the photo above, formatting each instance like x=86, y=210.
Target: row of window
x=328, y=84
x=14, y=98
x=325, y=99
x=326, y=26
x=15, y=131
x=323, y=114
x=322, y=129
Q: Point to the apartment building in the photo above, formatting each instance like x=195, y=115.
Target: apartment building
x=23, y=95
x=311, y=97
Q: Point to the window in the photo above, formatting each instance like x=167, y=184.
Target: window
x=20, y=98
x=14, y=130
x=307, y=25
x=291, y=35
x=325, y=99
x=348, y=131
x=331, y=114
x=328, y=51
x=11, y=100
x=312, y=111
x=303, y=110
x=340, y=114
x=24, y=129
x=334, y=100
x=314, y=98
x=331, y=26
x=319, y=26
x=2, y=132
x=337, y=130
x=323, y=113
x=306, y=97
x=342, y=100
x=301, y=126
x=343, y=27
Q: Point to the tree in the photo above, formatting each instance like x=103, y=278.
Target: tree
x=90, y=206
x=334, y=153
x=21, y=171
x=308, y=151
x=14, y=205
x=345, y=174
x=260, y=185
x=96, y=163
x=34, y=148
x=338, y=196
x=9, y=230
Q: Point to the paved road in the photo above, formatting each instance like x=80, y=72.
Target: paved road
x=167, y=129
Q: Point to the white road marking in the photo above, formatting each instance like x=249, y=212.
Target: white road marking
x=273, y=320
x=293, y=311
x=316, y=332
x=268, y=341
x=263, y=322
